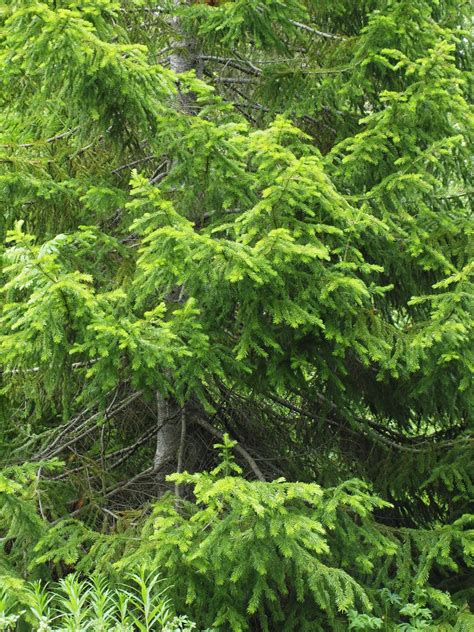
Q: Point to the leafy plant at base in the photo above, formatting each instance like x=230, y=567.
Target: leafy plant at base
x=138, y=604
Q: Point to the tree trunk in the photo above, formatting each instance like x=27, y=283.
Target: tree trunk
x=167, y=435
x=170, y=436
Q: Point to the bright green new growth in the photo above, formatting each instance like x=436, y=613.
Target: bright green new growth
x=278, y=554
x=245, y=217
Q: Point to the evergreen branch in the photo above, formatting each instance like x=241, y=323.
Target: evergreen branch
x=378, y=434
x=238, y=448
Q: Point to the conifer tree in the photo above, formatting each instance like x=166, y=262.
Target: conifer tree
x=246, y=217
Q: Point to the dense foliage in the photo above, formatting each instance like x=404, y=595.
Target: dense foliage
x=247, y=219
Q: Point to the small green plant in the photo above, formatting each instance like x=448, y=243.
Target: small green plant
x=362, y=622
x=7, y=620
x=420, y=618
x=182, y=624
x=138, y=604
x=9, y=615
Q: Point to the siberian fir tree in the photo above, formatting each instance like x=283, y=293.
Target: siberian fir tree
x=248, y=217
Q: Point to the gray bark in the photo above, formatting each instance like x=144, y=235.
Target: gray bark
x=167, y=435
x=170, y=436
x=185, y=57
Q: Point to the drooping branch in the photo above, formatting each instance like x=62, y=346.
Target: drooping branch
x=376, y=431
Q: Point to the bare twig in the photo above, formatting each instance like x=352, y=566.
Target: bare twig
x=49, y=453
x=52, y=139
x=38, y=493
x=134, y=163
x=310, y=29
x=232, y=80
x=128, y=482
x=114, y=490
x=36, y=369
x=242, y=65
